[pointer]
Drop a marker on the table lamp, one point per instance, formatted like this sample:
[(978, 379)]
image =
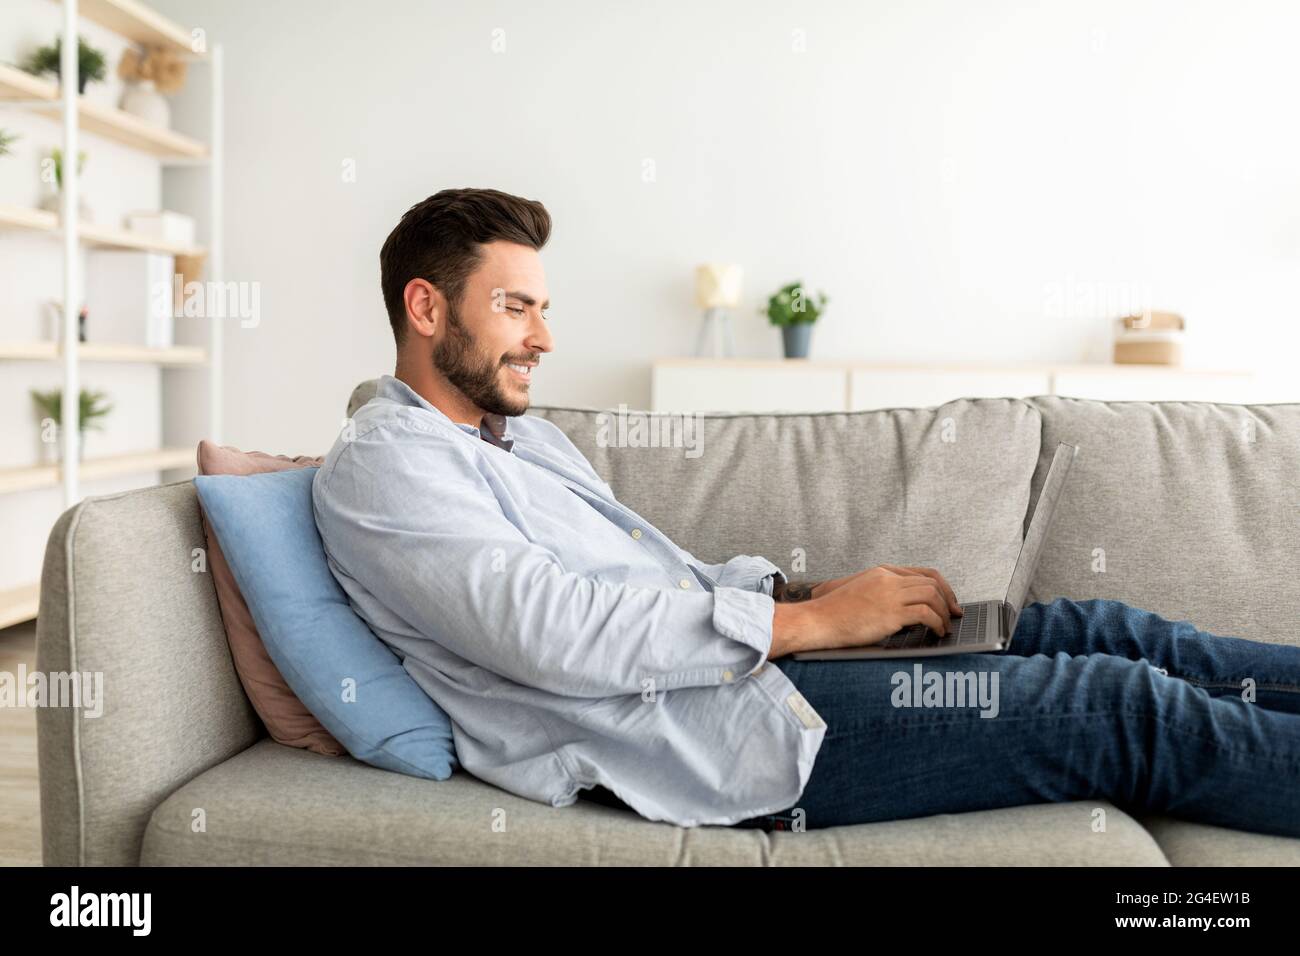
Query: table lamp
[(717, 289)]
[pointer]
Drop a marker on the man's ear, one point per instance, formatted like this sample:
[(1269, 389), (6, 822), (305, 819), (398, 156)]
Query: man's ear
[(424, 306)]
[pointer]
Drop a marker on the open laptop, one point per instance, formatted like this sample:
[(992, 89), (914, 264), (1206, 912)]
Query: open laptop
[(984, 625)]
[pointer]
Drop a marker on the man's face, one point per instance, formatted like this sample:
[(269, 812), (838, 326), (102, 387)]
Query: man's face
[(498, 323)]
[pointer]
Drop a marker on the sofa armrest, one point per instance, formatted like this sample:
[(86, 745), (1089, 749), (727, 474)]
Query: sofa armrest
[(126, 602)]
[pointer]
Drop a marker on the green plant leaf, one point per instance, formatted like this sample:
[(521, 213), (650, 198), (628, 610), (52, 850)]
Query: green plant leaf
[(49, 59), (92, 407)]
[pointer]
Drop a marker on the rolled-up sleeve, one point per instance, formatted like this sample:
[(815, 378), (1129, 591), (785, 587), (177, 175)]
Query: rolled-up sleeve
[(748, 572), (453, 566)]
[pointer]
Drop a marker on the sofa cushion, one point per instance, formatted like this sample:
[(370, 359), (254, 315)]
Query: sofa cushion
[(286, 718), (273, 805), (1185, 843), (1183, 508), (363, 393), (331, 659), (828, 494)]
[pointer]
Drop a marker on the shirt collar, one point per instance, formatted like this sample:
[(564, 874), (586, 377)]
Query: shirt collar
[(495, 427)]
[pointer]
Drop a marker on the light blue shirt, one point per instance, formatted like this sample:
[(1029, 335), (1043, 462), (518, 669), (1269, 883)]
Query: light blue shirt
[(570, 642)]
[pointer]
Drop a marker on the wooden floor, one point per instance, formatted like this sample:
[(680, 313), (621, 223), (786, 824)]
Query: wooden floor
[(20, 805)]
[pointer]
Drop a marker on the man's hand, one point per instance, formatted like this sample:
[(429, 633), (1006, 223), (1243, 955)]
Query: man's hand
[(808, 590), (865, 608)]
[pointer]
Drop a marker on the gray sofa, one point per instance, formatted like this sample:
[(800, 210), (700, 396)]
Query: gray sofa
[(1187, 509)]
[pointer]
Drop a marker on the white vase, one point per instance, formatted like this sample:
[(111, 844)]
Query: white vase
[(142, 100), (53, 202), (52, 451)]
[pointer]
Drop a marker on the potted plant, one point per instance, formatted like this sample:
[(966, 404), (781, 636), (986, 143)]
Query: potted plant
[(48, 59), (794, 312), (149, 74), (51, 201), (7, 140), (50, 406)]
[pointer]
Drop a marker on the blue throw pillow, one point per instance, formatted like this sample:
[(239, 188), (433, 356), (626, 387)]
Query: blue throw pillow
[(345, 675)]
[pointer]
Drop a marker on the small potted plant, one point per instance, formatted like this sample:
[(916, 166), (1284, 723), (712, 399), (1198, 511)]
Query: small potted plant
[(48, 59), (51, 202), (49, 406), (794, 312), (7, 140)]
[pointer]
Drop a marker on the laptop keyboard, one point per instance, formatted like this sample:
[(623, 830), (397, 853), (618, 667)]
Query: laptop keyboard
[(969, 628)]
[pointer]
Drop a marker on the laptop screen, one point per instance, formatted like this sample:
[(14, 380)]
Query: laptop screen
[(1044, 510)]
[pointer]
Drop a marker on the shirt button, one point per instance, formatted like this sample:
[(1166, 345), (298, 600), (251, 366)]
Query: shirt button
[(727, 675), (684, 583), (636, 532)]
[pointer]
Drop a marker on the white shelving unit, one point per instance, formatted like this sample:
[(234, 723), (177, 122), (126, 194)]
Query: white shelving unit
[(60, 102)]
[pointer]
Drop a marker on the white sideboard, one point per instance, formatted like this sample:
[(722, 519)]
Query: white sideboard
[(814, 385)]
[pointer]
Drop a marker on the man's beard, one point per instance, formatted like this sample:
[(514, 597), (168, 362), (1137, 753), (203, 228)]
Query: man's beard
[(477, 376)]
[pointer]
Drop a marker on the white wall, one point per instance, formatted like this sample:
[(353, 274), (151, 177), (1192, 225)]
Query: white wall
[(969, 181)]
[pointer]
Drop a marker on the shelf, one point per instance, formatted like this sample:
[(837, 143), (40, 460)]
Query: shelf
[(19, 217), (136, 22), (181, 355), (105, 237), (100, 237), (107, 121), (16, 84), (132, 131), (48, 476), (19, 604)]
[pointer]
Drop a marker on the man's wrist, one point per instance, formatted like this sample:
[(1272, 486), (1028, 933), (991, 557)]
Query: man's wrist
[(793, 628)]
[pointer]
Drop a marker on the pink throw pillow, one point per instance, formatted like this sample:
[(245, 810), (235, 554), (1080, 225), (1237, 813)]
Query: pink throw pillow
[(287, 719)]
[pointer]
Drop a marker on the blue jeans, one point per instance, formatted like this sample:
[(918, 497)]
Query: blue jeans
[(1093, 700)]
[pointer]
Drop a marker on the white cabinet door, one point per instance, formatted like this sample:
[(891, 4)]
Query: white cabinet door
[(923, 388), (798, 386), (1138, 384), (766, 388)]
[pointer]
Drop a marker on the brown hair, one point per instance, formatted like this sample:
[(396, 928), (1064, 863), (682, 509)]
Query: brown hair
[(438, 240)]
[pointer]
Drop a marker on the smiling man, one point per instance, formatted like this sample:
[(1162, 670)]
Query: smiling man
[(483, 374), (571, 643), (576, 648)]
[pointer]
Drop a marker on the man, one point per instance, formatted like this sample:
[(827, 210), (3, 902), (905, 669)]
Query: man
[(574, 646)]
